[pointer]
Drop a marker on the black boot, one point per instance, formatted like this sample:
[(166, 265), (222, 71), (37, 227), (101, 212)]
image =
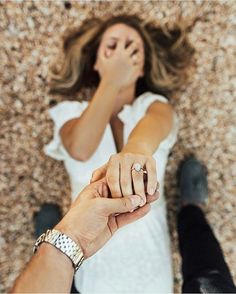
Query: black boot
[(192, 182)]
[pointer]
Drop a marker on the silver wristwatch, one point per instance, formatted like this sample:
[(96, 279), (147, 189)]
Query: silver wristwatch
[(64, 244)]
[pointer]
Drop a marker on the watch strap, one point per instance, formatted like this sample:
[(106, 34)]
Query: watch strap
[(64, 243)]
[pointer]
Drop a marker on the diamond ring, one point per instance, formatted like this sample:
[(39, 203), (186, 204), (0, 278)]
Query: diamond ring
[(138, 167)]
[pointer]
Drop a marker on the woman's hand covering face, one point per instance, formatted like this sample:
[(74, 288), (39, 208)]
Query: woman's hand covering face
[(124, 180), (120, 65)]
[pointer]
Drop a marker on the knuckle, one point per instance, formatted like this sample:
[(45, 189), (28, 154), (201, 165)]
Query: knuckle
[(127, 156), (97, 203), (152, 169), (125, 182), (137, 177), (125, 202), (112, 157), (139, 189), (111, 179), (152, 160), (116, 194)]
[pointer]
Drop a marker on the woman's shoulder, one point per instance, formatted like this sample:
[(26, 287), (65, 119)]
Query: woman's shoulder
[(65, 107), (131, 114), (148, 97), (66, 110), (143, 101), (69, 104)]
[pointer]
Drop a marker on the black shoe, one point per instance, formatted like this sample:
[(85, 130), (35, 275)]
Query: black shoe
[(48, 216), (192, 182)]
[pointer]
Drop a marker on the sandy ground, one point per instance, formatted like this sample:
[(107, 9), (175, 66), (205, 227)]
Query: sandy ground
[(30, 36)]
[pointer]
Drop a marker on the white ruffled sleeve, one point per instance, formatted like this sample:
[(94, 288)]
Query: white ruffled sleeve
[(60, 114)]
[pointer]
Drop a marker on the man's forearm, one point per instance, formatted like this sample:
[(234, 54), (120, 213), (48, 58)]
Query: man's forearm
[(48, 271)]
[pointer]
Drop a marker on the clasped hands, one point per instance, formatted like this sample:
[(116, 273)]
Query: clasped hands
[(122, 178), (117, 195)]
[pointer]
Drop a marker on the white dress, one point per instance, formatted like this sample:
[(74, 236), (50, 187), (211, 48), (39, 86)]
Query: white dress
[(137, 259)]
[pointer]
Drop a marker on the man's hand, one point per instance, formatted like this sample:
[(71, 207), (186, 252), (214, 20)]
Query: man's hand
[(91, 221), (92, 218)]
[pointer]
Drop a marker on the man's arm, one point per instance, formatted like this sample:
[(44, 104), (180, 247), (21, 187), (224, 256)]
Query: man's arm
[(49, 270), (91, 221)]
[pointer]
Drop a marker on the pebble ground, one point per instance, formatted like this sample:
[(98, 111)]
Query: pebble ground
[(206, 106)]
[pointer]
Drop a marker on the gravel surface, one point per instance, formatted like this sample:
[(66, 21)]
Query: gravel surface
[(30, 37)]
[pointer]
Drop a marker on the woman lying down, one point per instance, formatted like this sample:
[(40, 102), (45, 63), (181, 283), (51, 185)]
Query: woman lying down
[(125, 132)]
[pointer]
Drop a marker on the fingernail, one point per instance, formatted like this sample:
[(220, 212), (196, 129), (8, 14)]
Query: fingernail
[(143, 202), (136, 200), (151, 191)]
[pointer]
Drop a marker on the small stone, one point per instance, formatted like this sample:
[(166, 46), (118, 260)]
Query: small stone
[(67, 5)]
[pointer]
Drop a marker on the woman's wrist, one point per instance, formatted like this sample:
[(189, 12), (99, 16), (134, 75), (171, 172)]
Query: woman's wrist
[(110, 85), (137, 147)]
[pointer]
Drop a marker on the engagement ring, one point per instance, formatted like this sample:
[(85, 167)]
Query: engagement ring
[(138, 167)]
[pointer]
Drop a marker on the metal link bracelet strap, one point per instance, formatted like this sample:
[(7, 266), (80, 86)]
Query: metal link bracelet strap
[(64, 244)]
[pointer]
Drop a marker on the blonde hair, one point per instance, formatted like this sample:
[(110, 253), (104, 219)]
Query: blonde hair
[(168, 54)]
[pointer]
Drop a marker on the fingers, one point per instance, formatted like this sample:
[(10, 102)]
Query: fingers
[(127, 218), (99, 173), (122, 179), (109, 206), (132, 48), (138, 183), (134, 52), (113, 177), (120, 44), (103, 190), (136, 59), (126, 179), (97, 189), (151, 176), (152, 198)]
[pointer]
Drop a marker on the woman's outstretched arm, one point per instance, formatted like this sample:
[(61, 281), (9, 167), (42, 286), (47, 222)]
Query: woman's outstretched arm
[(151, 130), (142, 143), (81, 136)]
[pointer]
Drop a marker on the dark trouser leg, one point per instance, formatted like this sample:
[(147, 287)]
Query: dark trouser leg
[(73, 288), (203, 266)]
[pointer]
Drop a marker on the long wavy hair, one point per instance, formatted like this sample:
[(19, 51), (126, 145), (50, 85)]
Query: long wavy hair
[(168, 55)]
